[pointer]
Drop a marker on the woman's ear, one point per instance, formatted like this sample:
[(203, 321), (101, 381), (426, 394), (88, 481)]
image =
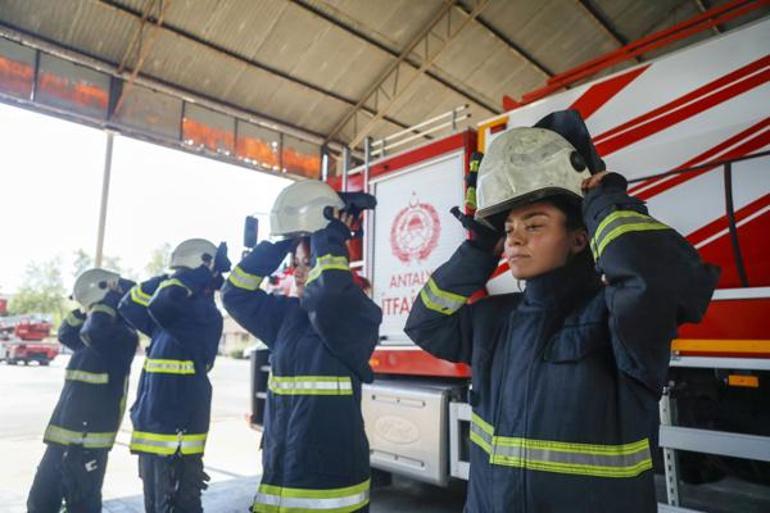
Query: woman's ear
[(579, 241)]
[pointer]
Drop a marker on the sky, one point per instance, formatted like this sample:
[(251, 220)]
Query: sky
[(51, 181)]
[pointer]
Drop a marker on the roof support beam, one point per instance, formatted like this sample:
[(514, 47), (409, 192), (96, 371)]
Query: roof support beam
[(516, 49), (604, 23), (703, 6), (430, 41), (141, 47), (304, 4), (82, 58), (238, 57)]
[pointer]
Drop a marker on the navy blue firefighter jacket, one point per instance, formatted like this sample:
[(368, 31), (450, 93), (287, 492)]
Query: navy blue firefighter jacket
[(567, 375), (315, 451), (93, 399), (173, 405)]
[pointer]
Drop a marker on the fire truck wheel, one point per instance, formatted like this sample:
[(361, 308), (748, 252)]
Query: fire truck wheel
[(44, 363)]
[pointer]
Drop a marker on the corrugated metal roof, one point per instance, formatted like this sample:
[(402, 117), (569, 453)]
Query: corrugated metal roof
[(308, 62)]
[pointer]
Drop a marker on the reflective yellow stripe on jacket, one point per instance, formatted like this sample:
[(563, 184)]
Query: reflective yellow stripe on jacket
[(625, 460), (73, 320), (139, 297), (310, 385), (327, 263), (619, 223), (243, 280), (104, 309), (62, 436), (441, 301), (160, 366), (92, 378), (277, 499), (167, 445)]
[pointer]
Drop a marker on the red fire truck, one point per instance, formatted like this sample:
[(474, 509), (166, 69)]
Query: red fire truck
[(22, 339), (691, 132)]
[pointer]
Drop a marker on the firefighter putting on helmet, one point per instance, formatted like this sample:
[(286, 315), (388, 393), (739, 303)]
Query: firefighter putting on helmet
[(566, 375), (315, 452), (86, 419), (173, 405)]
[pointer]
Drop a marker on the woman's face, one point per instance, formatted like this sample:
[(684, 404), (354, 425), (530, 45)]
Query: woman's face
[(537, 240), (301, 266)]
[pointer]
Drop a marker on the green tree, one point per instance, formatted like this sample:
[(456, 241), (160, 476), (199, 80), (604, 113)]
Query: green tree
[(42, 290), (158, 260)]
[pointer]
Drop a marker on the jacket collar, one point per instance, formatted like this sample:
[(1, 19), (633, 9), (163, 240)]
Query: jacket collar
[(564, 287)]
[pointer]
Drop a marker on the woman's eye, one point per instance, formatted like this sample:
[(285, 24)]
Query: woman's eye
[(534, 227)]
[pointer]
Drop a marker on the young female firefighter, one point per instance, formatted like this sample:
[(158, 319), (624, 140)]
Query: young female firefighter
[(86, 419), (566, 376), (315, 452), (172, 408)]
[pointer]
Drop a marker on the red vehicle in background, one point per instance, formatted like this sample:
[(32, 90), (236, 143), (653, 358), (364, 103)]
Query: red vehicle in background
[(23, 340)]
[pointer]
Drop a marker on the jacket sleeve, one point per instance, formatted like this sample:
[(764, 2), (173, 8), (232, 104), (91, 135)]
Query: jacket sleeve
[(260, 313), (69, 330), (440, 319), (105, 331), (172, 307), (347, 321), (133, 306), (655, 279)]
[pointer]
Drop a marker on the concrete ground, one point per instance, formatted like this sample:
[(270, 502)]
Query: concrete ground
[(28, 395)]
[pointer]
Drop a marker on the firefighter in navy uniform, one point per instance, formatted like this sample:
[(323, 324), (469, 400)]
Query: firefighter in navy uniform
[(566, 376), (173, 404), (315, 452), (85, 422)]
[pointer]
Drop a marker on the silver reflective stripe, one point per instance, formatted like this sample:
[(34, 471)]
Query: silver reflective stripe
[(64, 436), (572, 458), (439, 300), (311, 385), (313, 504), (601, 460), (87, 377)]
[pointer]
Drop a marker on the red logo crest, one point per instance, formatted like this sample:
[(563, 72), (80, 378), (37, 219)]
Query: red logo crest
[(415, 231)]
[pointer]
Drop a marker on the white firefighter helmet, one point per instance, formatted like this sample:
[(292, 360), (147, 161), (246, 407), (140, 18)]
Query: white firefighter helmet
[(193, 253), (92, 285), (299, 208), (525, 165)]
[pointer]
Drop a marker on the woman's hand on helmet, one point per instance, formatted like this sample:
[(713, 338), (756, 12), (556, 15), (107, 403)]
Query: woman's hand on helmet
[(593, 181), (483, 236)]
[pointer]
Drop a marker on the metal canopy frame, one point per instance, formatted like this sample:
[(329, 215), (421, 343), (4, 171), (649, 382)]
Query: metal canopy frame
[(389, 86)]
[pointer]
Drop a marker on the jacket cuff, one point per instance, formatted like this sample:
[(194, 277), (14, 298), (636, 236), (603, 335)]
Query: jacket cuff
[(609, 196), (330, 240)]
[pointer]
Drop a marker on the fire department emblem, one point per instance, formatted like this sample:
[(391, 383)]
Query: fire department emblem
[(415, 231)]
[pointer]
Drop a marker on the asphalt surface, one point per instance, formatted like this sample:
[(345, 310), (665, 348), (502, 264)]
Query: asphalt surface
[(28, 395)]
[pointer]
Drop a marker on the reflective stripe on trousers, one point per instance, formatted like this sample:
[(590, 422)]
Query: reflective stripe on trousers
[(167, 445), (277, 499), (92, 378), (310, 385), (64, 436), (160, 366), (626, 460)]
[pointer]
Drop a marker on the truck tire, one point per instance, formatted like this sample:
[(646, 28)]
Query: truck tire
[(11, 361), (44, 363)]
